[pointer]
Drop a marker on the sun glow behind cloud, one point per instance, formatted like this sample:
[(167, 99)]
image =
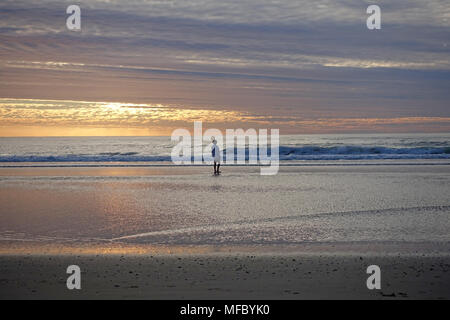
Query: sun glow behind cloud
[(33, 117), (58, 117)]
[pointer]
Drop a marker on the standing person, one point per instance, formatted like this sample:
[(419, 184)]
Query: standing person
[(215, 152)]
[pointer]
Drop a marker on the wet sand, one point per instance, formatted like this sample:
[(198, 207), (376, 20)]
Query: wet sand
[(190, 206)]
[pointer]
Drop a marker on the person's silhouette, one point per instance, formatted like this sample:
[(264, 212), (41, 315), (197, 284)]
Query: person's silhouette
[(215, 152)]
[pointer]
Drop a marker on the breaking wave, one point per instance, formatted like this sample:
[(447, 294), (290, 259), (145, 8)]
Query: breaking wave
[(312, 152)]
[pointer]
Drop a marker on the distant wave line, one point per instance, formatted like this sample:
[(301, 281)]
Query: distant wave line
[(281, 164), (313, 153)]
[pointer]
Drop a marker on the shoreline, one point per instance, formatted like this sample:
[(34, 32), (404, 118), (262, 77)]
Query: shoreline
[(282, 163)]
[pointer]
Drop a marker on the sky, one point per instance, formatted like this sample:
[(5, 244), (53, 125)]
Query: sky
[(149, 67)]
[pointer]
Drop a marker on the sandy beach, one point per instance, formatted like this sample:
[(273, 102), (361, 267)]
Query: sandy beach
[(290, 276), (179, 233)]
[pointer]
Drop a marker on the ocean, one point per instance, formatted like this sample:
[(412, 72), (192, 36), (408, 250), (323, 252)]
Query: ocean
[(79, 150)]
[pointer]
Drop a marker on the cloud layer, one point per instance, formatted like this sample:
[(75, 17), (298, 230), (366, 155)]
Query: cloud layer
[(270, 58)]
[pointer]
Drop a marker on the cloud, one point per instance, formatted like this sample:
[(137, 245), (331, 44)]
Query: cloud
[(88, 115), (291, 57)]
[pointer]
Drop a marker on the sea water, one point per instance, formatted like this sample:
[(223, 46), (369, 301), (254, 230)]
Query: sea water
[(292, 147)]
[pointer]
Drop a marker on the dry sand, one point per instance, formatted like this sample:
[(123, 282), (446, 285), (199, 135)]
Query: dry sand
[(225, 276)]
